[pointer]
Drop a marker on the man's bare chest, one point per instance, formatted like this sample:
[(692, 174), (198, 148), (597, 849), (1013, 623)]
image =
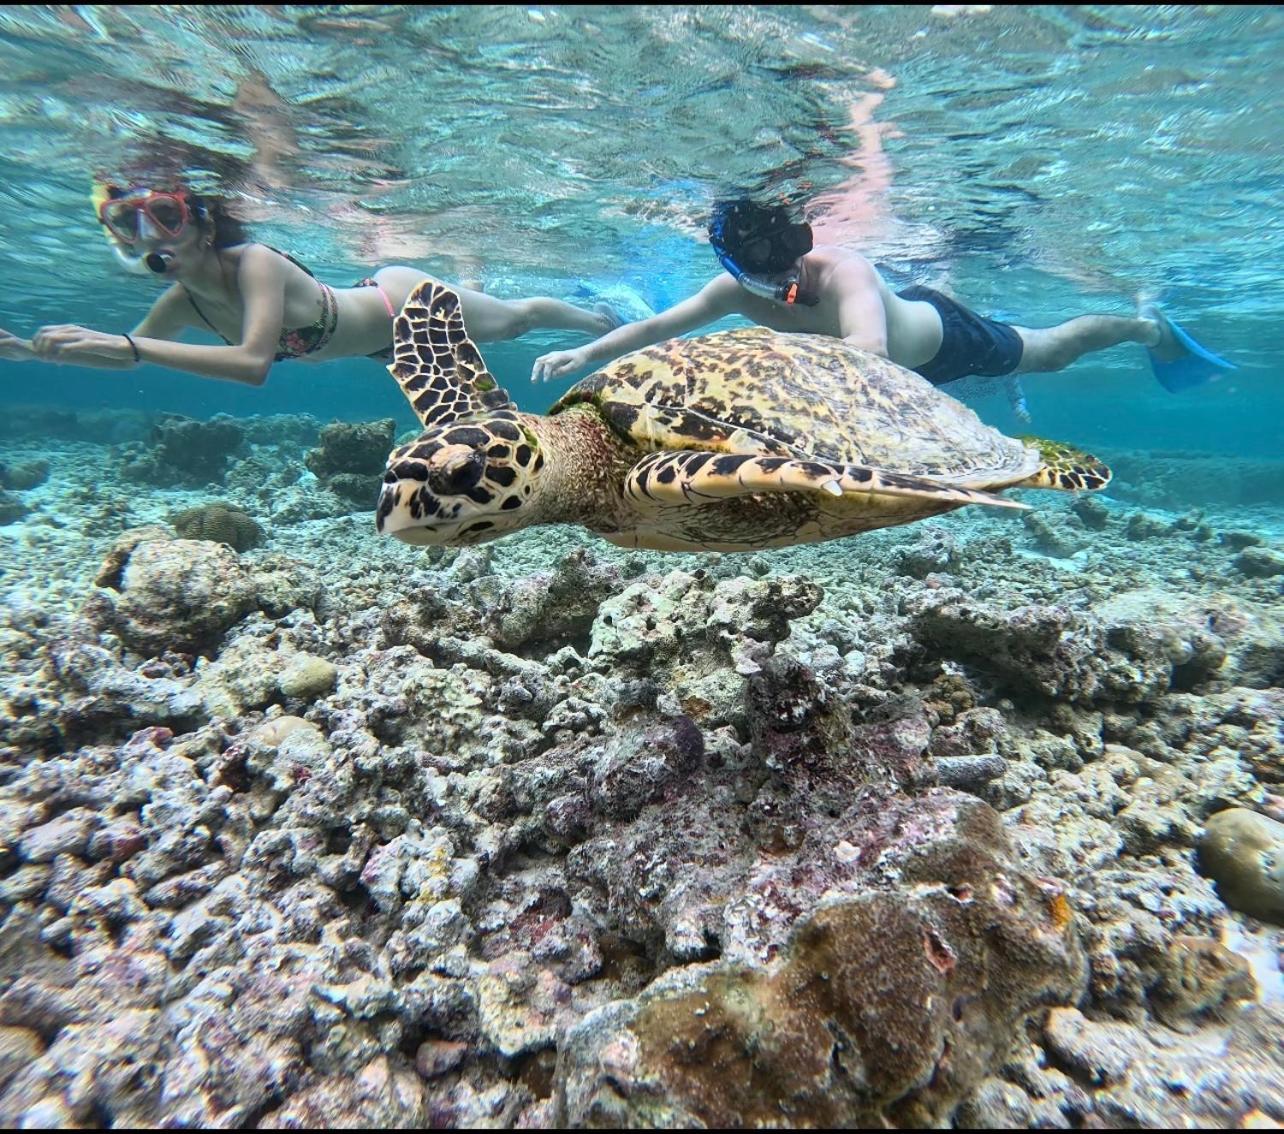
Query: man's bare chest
[(794, 318)]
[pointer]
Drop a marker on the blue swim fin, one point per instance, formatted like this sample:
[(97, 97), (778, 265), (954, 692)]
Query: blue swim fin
[(1193, 368)]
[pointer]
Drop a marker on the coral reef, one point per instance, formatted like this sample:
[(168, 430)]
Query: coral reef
[(158, 593), (182, 451), (55, 424), (350, 458), (924, 828), (883, 1008), (1176, 479), (1109, 654)]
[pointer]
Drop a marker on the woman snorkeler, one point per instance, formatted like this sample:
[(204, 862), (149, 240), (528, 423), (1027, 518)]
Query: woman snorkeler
[(264, 304)]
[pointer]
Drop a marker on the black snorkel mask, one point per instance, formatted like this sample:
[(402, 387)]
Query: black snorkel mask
[(758, 245)]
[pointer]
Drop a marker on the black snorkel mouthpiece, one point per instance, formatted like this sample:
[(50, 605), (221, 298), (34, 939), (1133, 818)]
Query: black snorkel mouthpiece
[(159, 262)]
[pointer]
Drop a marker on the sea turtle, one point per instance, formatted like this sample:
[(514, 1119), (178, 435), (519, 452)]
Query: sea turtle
[(732, 441)]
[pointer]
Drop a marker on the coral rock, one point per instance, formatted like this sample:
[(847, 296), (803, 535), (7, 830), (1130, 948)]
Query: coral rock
[(1094, 514), (307, 677), (1201, 978), (382, 1096), (439, 1057), (361, 449), (18, 1048), (1260, 562), (12, 508), (1142, 526), (1053, 538), (184, 451), (179, 595), (884, 1009), (29, 474), (67, 834)]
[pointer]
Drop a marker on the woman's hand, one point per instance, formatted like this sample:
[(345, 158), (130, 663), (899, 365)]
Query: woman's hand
[(14, 349), (558, 364), (67, 343)]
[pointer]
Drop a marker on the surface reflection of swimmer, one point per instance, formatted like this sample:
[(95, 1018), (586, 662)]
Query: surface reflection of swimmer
[(264, 304), (267, 122), (265, 119)]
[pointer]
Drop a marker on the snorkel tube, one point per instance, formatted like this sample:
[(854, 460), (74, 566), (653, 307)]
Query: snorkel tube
[(787, 291), (130, 263)]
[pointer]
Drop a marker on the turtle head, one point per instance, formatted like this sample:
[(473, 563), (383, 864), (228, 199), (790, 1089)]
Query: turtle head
[(463, 483)]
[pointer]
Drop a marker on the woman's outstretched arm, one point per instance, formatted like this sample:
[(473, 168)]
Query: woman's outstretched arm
[(261, 280)]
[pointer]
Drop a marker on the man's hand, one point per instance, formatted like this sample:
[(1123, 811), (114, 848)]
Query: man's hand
[(67, 343), (558, 364), (14, 349)]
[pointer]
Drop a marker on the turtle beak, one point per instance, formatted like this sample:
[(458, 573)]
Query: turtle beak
[(418, 537), (395, 517)]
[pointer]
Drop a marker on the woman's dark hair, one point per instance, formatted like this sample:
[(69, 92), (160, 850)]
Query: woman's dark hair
[(228, 230)]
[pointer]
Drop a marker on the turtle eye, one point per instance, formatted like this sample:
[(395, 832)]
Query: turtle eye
[(456, 472)]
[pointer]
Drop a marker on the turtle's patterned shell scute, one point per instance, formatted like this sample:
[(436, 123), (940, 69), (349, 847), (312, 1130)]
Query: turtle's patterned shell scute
[(756, 390)]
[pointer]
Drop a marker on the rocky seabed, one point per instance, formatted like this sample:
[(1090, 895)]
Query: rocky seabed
[(973, 823)]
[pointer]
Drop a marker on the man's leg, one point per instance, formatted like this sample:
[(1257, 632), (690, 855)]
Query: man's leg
[(1054, 348)]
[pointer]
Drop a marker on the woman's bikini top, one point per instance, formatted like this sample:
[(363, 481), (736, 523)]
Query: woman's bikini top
[(305, 340)]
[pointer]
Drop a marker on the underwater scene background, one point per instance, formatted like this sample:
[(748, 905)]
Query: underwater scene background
[(975, 822)]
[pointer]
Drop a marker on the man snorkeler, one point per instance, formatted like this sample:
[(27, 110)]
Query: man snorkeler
[(777, 278)]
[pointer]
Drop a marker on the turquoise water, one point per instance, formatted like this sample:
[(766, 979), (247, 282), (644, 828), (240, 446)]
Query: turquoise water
[(1037, 162), (975, 820)]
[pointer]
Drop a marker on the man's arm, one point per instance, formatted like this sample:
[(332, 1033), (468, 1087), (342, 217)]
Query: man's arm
[(719, 297), (862, 318)]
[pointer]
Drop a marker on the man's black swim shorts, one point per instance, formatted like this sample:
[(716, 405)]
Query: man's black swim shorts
[(972, 344)]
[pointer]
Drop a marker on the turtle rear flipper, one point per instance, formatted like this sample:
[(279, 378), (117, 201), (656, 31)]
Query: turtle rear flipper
[(1065, 468), (686, 477)]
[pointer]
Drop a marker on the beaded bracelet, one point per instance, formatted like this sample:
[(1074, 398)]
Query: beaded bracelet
[(134, 347)]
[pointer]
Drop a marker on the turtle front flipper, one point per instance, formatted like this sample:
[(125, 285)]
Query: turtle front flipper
[(687, 477), (436, 364), (1065, 468)]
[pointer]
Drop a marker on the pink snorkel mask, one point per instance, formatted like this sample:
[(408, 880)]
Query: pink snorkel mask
[(120, 211)]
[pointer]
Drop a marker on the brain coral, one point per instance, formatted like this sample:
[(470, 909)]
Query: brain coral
[(221, 523)]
